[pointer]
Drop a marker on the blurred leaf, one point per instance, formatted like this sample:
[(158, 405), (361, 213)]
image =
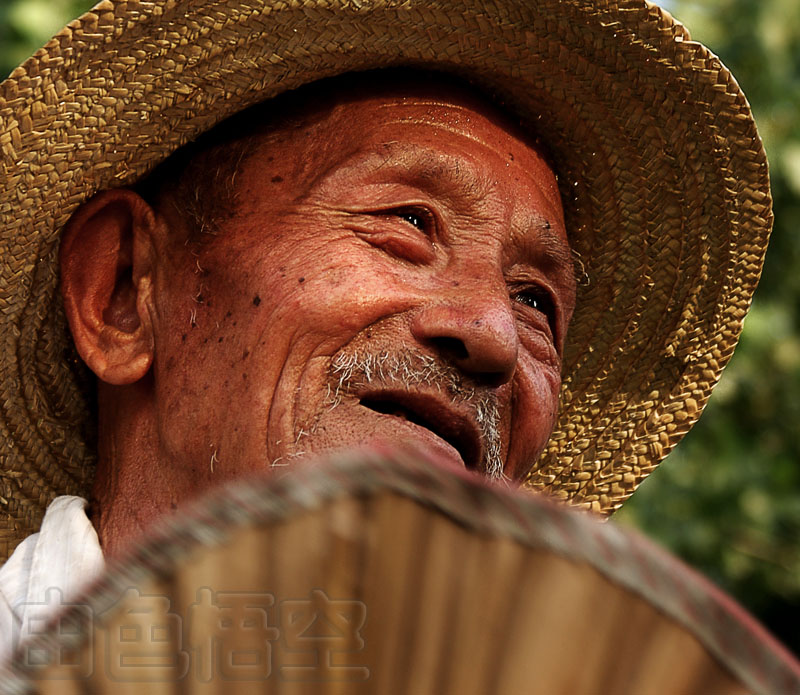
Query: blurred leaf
[(26, 25), (791, 166)]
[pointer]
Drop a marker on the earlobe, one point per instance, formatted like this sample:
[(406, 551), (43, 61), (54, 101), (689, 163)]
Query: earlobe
[(105, 257)]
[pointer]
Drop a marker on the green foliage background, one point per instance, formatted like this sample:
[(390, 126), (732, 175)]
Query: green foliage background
[(727, 499)]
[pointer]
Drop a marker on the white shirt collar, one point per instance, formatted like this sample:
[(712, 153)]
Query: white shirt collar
[(47, 570)]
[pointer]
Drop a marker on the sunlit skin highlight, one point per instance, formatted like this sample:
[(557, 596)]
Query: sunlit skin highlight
[(390, 225)]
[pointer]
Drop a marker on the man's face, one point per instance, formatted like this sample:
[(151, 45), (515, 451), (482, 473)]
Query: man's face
[(396, 272)]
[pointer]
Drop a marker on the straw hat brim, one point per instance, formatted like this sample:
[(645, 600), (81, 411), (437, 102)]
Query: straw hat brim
[(663, 177)]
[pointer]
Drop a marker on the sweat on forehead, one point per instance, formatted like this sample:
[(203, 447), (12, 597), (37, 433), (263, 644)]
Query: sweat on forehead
[(200, 177)]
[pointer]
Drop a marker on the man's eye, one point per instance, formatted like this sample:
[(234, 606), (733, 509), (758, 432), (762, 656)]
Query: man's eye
[(539, 299), (413, 218), (416, 217)]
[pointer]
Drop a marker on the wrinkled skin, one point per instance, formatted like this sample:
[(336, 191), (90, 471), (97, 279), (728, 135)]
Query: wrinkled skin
[(392, 225)]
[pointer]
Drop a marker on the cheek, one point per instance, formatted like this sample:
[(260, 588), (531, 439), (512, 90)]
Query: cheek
[(534, 411), (211, 371), (209, 393), (241, 331), (342, 292)]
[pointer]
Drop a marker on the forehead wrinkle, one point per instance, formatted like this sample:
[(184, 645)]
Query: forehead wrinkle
[(424, 166), (438, 173), (460, 120)]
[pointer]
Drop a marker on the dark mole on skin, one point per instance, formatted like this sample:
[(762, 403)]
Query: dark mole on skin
[(245, 354), (228, 315), (256, 300), (183, 338), (220, 339), (277, 179), (301, 280)]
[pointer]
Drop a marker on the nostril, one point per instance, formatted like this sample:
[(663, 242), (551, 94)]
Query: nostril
[(493, 379), (478, 334), (455, 351), (450, 347)]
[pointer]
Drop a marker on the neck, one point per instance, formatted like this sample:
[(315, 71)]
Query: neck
[(132, 486)]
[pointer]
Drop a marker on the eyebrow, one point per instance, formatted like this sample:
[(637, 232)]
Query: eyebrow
[(547, 251), (423, 167), (548, 247)]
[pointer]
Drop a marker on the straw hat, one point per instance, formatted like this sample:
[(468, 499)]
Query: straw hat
[(663, 178)]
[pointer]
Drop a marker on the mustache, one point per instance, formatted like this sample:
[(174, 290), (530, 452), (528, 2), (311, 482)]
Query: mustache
[(352, 371)]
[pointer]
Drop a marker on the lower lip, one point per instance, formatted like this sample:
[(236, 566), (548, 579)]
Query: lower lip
[(409, 435)]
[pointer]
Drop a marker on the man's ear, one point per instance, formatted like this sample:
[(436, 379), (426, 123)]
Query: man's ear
[(106, 282)]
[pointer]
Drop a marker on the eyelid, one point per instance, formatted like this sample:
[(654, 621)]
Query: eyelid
[(553, 311), (430, 222), (399, 238)]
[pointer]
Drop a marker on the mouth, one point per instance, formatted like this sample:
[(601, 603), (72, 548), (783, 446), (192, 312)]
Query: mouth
[(439, 418)]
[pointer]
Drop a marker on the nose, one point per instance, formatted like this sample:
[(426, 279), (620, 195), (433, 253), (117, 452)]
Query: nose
[(477, 334)]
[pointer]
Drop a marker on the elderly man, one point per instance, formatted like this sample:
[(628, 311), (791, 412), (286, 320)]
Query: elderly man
[(376, 258), (410, 281)]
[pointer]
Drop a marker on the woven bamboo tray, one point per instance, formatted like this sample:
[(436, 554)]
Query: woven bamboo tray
[(383, 574)]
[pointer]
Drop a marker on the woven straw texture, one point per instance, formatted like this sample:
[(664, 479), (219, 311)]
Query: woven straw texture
[(663, 178)]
